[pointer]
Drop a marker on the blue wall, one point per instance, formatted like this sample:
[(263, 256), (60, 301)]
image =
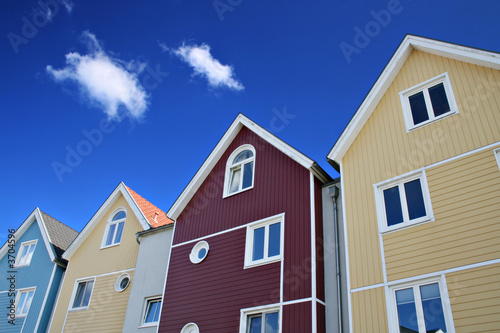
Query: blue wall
[(37, 274)]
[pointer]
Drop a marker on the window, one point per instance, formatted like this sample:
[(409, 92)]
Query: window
[(264, 241), (260, 321), (402, 202), (240, 170), (422, 308), (26, 253), (114, 229), (190, 328), (199, 252), (23, 302), (122, 282), (152, 311), (428, 101), (83, 294)]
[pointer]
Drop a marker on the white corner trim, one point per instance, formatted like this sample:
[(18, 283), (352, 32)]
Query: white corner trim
[(313, 254), (47, 292), (346, 249)]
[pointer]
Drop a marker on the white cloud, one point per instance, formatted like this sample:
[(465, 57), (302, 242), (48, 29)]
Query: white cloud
[(204, 64), (68, 5), (108, 82)]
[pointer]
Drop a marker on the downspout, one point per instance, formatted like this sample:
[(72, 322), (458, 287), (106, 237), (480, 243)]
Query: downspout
[(334, 193)]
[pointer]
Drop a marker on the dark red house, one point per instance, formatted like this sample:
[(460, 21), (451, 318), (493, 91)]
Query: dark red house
[(247, 247)]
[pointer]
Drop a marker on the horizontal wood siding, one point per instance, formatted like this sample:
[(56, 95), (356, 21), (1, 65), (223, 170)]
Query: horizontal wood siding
[(384, 150), (212, 292), (297, 318), (465, 196), (369, 311), (474, 297), (106, 311)]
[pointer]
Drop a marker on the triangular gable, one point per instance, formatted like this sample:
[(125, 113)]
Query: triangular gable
[(240, 122), (410, 42), (36, 215), (135, 206)]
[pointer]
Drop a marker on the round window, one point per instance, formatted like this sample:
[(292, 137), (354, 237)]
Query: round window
[(122, 282), (190, 328), (199, 252)]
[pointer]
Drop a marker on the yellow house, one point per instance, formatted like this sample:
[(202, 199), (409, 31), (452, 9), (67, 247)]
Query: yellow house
[(419, 165), (94, 293)]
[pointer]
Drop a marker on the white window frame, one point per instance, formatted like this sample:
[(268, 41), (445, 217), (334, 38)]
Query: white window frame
[(19, 259), (392, 309), (118, 282), (497, 156), (230, 166), (424, 87), (190, 328), (250, 237), (18, 298), (110, 223), (245, 313), (73, 295), (147, 301), (400, 181)]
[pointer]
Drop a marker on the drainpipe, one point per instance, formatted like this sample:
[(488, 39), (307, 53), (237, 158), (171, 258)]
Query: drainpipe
[(334, 194)]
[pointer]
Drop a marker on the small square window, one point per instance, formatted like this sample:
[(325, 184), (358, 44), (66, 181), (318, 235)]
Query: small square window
[(260, 321), (23, 301), (152, 311), (428, 102), (420, 307), (83, 293), (25, 253), (402, 202), (264, 241)]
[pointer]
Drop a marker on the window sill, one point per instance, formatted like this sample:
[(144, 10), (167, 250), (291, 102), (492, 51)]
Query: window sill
[(16, 266), (78, 309), (149, 325), (262, 262), (428, 122), (108, 246), (407, 225), (226, 195)]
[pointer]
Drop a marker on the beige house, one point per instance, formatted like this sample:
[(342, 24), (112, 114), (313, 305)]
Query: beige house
[(419, 165), (95, 291)]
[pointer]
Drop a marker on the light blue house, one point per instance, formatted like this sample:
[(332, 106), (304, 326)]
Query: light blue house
[(31, 269)]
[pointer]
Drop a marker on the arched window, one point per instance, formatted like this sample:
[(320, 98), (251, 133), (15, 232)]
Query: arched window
[(240, 170), (114, 228)]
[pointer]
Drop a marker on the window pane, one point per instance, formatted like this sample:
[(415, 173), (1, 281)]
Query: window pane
[(119, 233), (439, 100), (235, 181), (433, 308), (407, 314), (272, 320), (119, 216), (88, 292), (79, 295), (111, 234), (418, 108), (24, 255), (26, 307), (415, 199), (255, 325), (150, 315), (32, 248), (243, 156), (158, 310), (393, 209), (258, 243), (202, 253), (274, 239), (247, 174), (22, 300)]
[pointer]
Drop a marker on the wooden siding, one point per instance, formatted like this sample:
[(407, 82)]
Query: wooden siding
[(384, 150), (106, 311), (297, 318), (212, 292), (369, 311), (321, 322), (474, 297), (90, 260), (465, 197)]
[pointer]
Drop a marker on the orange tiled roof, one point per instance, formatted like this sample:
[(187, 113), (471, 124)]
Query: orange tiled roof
[(155, 216)]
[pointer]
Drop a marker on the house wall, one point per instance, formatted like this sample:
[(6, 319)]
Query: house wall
[(464, 191), (90, 260), (149, 277), (223, 287), (37, 274)]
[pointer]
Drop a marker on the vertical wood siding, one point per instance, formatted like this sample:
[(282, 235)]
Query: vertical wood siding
[(369, 312), (297, 318), (474, 297), (465, 196), (384, 150)]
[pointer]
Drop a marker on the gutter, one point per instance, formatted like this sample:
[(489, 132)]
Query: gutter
[(334, 194), (139, 234)]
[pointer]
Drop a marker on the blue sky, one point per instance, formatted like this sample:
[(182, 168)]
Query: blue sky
[(98, 92)]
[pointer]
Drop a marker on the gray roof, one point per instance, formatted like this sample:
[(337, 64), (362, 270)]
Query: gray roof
[(59, 233)]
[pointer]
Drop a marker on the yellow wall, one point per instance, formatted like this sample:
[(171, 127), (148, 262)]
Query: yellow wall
[(384, 150), (474, 298), (91, 260), (369, 311)]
